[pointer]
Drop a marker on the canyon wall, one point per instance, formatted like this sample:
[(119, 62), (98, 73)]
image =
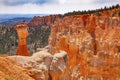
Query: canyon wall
[(81, 47), (45, 20), (92, 44)]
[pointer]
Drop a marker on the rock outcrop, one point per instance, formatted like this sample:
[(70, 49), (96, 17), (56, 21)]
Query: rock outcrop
[(43, 66)]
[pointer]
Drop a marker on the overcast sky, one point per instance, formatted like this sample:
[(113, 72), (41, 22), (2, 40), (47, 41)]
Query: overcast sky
[(51, 6)]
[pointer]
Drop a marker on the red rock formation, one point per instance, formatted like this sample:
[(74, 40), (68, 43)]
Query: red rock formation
[(22, 34), (45, 20), (92, 44)]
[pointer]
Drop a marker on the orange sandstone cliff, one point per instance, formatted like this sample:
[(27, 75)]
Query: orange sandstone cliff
[(45, 20), (92, 44)]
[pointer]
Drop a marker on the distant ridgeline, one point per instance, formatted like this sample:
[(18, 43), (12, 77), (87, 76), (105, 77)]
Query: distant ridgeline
[(39, 30), (96, 12), (10, 22)]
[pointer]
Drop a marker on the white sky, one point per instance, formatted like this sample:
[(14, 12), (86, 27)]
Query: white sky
[(51, 6)]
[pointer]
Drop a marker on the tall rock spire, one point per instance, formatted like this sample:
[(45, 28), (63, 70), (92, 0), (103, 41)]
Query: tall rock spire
[(22, 32)]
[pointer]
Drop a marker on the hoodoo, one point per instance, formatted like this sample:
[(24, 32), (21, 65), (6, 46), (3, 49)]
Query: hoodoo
[(22, 34)]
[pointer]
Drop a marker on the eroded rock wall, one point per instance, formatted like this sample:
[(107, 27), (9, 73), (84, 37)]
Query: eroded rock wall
[(41, 21), (92, 43)]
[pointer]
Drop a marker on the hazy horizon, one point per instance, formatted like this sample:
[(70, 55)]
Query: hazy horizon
[(11, 16)]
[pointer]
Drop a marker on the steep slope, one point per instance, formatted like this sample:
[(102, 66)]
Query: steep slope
[(92, 43)]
